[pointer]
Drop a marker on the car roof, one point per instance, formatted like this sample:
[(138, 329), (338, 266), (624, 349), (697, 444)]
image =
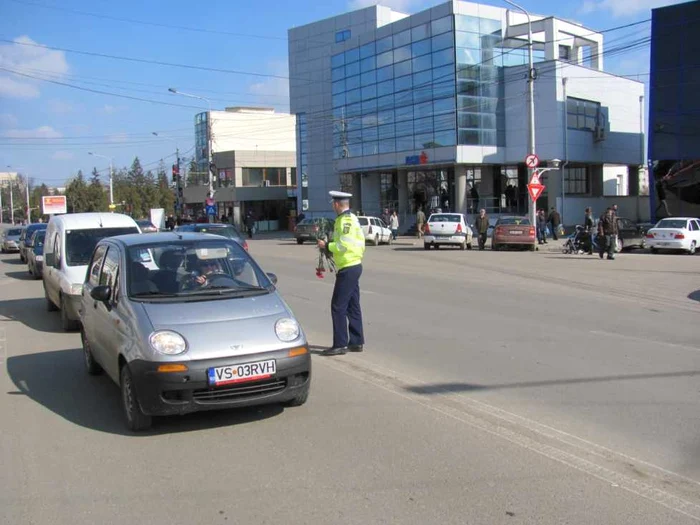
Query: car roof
[(138, 239), (36, 226), (206, 225), (93, 220), (678, 219)]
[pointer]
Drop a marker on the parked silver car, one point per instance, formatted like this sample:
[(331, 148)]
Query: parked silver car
[(189, 321), (10, 240)]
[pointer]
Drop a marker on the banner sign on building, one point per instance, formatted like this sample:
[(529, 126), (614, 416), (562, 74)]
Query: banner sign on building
[(54, 204), (417, 159)]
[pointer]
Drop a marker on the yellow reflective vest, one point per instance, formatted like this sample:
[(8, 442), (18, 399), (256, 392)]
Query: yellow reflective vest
[(348, 245)]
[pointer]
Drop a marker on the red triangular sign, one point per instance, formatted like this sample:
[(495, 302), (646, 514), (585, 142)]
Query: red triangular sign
[(535, 191), (535, 178)]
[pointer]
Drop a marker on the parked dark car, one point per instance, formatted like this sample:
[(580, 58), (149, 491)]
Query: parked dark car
[(146, 226), (26, 235), (35, 254), (225, 230), (513, 231), (630, 234), (311, 229)]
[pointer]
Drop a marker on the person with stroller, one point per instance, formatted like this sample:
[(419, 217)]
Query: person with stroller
[(588, 225)]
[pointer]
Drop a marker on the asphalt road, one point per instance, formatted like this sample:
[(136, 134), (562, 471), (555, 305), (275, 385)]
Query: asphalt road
[(495, 388)]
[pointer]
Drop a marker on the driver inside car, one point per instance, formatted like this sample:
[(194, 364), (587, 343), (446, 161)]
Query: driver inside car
[(207, 268)]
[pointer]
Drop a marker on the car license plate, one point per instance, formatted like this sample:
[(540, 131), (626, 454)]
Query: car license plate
[(225, 375), (515, 232)]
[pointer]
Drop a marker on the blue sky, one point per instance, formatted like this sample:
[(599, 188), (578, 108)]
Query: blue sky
[(47, 130)]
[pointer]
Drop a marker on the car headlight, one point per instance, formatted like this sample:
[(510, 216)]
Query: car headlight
[(287, 330), (168, 342), (76, 289)]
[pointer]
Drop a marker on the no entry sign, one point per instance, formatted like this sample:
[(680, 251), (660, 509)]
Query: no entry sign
[(532, 161)]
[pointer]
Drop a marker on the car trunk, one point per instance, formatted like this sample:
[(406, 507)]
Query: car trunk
[(514, 233), (445, 228), (667, 233)]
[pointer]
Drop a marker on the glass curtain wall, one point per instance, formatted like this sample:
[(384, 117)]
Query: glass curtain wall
[(397, 93), (201, 144), (302, 162)]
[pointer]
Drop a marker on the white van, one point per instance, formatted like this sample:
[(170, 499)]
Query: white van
[(68, 246)]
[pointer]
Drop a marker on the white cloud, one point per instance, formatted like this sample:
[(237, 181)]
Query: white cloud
[(8, 121), (60, 107), (63, 155), (273, 91), (42, 132), (622, 8), (109, 109), (405, 6), (36, 61)]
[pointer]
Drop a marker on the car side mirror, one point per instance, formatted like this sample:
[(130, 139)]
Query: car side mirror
[(50, 259), (272, 277), (101, 293)]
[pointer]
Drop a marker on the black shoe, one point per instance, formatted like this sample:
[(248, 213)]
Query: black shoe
[(338, 350), (355, 348), (600, 255)]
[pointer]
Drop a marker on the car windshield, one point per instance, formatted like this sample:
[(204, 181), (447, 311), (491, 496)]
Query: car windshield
[(672, 223), (38, 237), (187, 269), (14, 232), (81, 243), (517, 221), (444, 218)]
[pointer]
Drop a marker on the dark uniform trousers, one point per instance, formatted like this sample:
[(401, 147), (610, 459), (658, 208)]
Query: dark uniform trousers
[(345, 308)]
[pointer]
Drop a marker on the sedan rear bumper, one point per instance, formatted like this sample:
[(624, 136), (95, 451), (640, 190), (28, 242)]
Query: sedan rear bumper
[(171, 393), (524, 240), (668, 244), (457, 238)]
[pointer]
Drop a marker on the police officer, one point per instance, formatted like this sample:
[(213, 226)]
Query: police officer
[(347, 247)]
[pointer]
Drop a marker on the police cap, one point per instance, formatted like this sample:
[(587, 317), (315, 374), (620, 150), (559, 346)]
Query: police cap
[(339, 196)]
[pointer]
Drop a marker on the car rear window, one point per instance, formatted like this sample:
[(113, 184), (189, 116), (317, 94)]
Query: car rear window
[(443, 217), (672, 223), (363, 221), (14, 233), (81, 243), (517, 221)]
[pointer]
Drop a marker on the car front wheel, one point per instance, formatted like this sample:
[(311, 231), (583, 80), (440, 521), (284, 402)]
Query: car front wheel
[(135, 419), (426, 246), (300, 241), (299, 399)]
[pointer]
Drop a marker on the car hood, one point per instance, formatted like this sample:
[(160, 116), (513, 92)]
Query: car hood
[(224, 327)]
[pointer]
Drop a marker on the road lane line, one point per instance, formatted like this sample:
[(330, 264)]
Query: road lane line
[(491, 420), (643, 340)]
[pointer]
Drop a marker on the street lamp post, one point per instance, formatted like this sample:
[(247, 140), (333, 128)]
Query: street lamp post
[(531, 99), (111, 173), (209, 141)]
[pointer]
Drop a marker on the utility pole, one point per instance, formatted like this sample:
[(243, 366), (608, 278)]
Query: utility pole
[(29, 209), (1, 215), (12, 204), (531, 75)]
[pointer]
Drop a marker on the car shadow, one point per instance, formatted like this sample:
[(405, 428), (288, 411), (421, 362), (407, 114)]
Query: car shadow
[(574, 257), (31, 313), (695, 296), (451, 388), (59, 382), (21, 276), (12, 258)]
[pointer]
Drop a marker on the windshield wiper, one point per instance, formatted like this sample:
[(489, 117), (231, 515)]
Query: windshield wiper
[(222, 290), (153, 294)]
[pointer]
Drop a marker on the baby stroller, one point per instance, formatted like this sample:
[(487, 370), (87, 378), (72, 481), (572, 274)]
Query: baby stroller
[(581, 242)]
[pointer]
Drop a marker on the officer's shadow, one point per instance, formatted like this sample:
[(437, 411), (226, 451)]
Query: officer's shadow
[(317, 349)]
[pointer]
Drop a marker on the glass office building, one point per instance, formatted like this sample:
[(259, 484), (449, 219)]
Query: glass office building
[(429, 109)]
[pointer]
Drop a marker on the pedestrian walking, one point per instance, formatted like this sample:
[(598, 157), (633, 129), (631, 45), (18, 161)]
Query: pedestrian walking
[(607, 230), (394, 225), (541, 227), (554, 221), (250, 223), (347, 248), (386, 217), (661, 196), (588, 224), (482, 228), (420, 221), (614, 214)]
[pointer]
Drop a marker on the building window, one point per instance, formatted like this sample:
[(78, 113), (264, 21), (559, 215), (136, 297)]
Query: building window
[(346, 182), (576, 181), (388, 191), (342, 36), (565, 53), (264, 176), (293, 178), (582, 114)]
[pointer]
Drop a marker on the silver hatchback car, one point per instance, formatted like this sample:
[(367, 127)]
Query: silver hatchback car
[(188, 321)]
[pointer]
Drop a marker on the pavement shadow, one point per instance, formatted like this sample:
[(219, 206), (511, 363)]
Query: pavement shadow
[(31, 313), (12, 259), (695, 296), (573, 257), (447, 388), (21, 276), (59, 382)]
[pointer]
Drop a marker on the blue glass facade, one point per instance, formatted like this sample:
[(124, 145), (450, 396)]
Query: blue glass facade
[(436, 84), (397, 93)]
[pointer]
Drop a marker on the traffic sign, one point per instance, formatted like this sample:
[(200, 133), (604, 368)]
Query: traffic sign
[(211, 210), (535, 190), (532, 161), (535, 178)]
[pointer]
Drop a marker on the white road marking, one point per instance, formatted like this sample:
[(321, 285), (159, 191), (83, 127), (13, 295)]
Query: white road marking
[(504, 425), (643, 340)]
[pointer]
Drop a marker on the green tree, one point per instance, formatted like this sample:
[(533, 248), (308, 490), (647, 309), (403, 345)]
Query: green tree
[(96, 196), (35, 201), (77, 194)]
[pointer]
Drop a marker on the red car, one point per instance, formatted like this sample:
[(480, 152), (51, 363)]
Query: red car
[(513, 231)]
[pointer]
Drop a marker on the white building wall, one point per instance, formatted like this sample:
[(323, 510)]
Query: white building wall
[(615, 180), (619, 100), (252, 131)]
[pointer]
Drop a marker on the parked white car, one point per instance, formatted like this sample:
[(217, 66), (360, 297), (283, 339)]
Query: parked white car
[(675, 233), (447, 229), (375, 230)]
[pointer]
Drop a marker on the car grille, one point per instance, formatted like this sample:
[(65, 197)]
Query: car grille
[(232, 393)]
